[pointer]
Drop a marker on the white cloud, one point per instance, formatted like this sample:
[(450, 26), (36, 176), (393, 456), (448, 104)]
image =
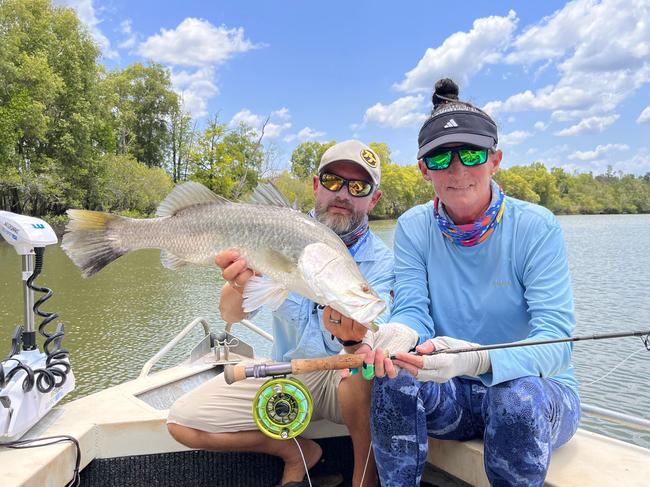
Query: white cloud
[(638, 164), (603, 51), (281, 114), (195, 42), (86, 13), (514, 138), (195, 89), (598, 151), (130, 37), (553, 35), (541, 126), (462, 54), (272, 130), (199, 44), (306, 133), (589, 125), (645, 116), (403, 112)]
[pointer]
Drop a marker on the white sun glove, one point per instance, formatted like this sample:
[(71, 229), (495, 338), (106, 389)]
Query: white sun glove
[(394, 337), (444, 366)]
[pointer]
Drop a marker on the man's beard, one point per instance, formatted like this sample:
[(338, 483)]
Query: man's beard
[(339, 223)]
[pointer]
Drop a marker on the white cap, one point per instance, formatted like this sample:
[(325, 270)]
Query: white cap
[(356, 152)]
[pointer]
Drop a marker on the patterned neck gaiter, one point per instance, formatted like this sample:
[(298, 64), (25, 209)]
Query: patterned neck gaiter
[(471, 234)]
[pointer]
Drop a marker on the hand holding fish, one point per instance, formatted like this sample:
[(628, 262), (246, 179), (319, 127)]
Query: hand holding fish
[(342, 327), (234, 270)]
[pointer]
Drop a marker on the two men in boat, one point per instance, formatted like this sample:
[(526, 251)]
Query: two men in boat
[(216, 416), (472, 267)]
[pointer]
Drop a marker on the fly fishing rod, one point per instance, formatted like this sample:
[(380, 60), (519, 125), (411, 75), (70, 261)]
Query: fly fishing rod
[(645, 338), (234, 373)]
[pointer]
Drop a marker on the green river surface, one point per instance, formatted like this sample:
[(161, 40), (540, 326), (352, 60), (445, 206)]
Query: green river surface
[(116, 320)]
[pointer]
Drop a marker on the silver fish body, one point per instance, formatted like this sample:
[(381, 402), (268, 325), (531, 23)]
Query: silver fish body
[(293, 252)]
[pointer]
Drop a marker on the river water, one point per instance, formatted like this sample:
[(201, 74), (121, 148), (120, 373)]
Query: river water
[(116, 320)]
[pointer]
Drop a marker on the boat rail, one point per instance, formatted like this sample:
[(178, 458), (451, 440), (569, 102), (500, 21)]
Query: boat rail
[(627, 420), (252, 326), (146, 368)]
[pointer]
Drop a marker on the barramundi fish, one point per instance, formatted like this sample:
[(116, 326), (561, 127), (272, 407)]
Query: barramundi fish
[(290, 251)]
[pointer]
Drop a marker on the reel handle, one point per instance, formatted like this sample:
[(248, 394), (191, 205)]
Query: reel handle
[(235, 373)]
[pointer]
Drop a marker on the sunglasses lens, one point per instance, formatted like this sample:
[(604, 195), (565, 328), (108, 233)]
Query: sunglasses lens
[(473, 157), (359, 188), (331, 181), (439, 160)]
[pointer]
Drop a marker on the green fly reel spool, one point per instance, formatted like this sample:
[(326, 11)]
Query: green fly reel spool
[(282, 408)]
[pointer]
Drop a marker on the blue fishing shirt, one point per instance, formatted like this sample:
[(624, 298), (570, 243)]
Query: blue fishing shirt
[(298, 331), (513, 286)]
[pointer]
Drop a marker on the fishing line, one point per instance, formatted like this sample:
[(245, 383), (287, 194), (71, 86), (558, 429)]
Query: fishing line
[(363, 476), (617, 366), (303, 461)]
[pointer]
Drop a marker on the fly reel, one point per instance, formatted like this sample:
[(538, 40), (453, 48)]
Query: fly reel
[(282, 408)]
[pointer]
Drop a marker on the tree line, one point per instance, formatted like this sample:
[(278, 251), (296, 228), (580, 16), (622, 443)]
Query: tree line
[(75, 134)]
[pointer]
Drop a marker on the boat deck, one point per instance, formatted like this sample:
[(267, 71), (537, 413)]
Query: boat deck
[(130, 420)]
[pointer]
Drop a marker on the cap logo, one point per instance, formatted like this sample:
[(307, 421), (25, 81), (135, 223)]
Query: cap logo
[(450, 124), (369, 157)]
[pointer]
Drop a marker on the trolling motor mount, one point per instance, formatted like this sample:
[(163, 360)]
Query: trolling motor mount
[(31, 381)]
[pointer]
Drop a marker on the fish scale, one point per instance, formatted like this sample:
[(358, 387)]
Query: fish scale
[(294, 252)]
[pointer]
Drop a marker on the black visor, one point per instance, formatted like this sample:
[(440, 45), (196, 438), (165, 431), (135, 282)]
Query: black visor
[(462, 125)]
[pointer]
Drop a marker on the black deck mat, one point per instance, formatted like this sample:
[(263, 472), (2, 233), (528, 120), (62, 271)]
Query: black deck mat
[(210, 469)]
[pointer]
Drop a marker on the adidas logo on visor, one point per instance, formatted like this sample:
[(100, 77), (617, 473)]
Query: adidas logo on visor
[(451, 124)]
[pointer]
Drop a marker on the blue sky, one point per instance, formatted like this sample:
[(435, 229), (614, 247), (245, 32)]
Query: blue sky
[(567, 82)]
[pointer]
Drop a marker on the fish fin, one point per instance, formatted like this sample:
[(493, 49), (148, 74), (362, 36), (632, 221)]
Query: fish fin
[(171, 261), (262, 290), (277, 259), (268, 194), (87, 240), (185, 195)]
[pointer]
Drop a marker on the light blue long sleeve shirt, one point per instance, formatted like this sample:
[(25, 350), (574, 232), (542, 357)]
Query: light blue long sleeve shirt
[(513, 286), (298, 331)]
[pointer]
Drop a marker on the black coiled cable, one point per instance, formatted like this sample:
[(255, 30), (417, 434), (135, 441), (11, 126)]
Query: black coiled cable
[(56, 369), (54, 374)]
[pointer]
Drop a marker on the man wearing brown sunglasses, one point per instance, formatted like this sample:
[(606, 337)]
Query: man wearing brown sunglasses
[(218, 417)]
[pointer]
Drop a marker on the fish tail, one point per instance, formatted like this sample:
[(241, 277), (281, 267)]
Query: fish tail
[(89, 240)]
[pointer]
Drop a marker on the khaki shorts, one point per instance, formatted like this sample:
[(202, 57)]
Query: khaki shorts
[(217, 407)]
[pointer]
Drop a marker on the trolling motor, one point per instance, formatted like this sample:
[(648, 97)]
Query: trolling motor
[(31, 381)]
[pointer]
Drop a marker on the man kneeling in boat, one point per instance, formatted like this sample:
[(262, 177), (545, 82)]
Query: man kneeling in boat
[(218, 417)]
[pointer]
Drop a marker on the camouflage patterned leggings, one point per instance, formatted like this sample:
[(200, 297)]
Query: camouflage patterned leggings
[(520, 421)]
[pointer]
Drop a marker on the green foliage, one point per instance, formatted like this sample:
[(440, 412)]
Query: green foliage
[(298, 190), (72, 135), (142, 102), (402, 188), (130, 186), (306, 157), (227, 161), (48, 124)]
